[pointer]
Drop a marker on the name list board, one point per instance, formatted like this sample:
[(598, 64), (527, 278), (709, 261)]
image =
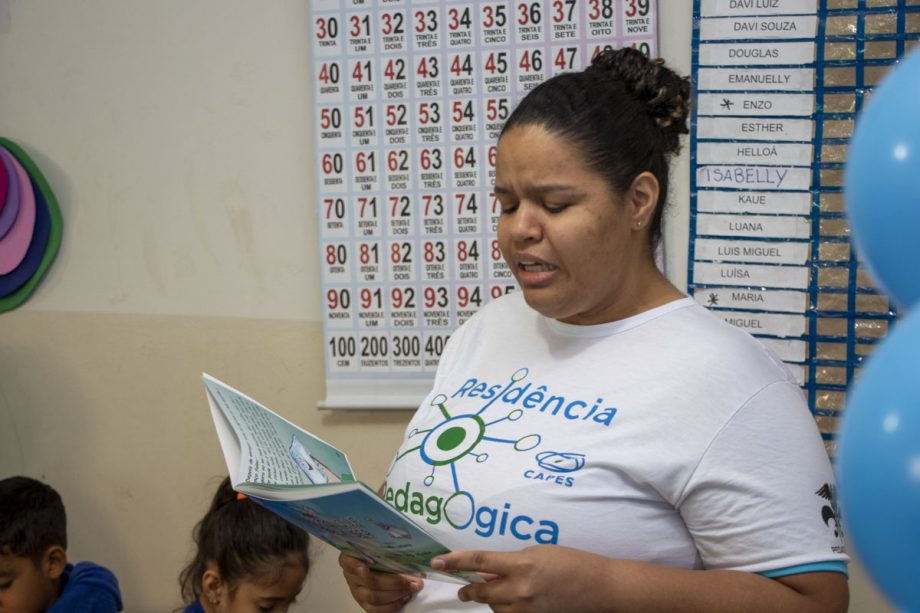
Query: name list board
[(410, 97), (777, 86)]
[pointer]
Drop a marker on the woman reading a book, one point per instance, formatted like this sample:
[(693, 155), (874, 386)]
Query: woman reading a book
[(599, 441)]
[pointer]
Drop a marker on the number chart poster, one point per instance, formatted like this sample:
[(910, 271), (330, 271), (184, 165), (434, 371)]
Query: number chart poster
[(410, 97), (778, 84)]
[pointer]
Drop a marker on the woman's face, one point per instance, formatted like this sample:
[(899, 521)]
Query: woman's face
[(572, 243)]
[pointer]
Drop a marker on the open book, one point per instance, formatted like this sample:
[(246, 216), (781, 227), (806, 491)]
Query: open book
[(311, 484)]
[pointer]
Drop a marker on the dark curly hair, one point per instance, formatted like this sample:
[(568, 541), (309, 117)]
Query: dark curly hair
[(625, 113)]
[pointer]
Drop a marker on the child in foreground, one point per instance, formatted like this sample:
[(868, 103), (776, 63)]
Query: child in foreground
[(247, 558), (34, 573)]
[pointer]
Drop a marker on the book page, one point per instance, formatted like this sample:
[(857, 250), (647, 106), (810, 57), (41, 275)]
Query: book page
[(268, 461), (272, 450)]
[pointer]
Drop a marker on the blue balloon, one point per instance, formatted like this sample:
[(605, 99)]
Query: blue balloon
[(878, 464), (882, 183)]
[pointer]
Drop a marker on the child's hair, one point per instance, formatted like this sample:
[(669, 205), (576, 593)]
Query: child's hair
[(32, 518), (243, 540)]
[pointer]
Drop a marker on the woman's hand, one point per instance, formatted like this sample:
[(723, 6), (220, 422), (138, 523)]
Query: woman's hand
[(553, 578), (539, 578), (377, 592)]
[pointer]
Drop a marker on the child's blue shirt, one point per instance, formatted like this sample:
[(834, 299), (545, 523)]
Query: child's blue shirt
[(87, 588)]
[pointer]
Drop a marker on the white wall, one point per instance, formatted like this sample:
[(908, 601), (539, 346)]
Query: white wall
[(177, 137)]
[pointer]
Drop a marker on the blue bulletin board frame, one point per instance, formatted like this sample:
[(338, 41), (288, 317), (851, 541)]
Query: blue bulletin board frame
[(844, 316)]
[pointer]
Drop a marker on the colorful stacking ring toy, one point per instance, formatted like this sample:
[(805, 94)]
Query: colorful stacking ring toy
[(30, 225), (15, 242), (4, 183), (11, 204)]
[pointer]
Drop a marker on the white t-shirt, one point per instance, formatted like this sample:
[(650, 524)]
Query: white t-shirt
[(669, 437)]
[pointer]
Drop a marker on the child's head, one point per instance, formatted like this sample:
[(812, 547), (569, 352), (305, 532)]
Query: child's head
[(33, 543), (248, 558)]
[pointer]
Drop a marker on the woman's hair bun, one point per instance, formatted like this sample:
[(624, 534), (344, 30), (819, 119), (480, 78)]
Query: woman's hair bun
[(664, 93)]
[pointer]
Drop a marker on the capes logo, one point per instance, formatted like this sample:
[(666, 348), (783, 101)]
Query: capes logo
[(561, 462), (558, 463)]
